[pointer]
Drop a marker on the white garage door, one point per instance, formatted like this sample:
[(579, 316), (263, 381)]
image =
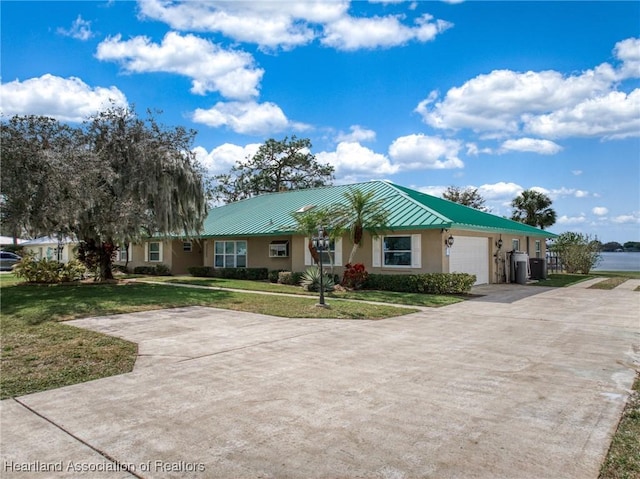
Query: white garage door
[(470, 255)]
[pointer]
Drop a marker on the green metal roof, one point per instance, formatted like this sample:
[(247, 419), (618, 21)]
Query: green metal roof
[(272, 214)]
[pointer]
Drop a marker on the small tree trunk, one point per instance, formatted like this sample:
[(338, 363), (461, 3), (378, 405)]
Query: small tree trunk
[(314, 252), (352, 255)]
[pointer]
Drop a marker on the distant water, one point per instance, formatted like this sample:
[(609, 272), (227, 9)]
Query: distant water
[(619, 262)]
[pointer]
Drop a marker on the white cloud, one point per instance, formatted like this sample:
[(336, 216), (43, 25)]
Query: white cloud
[(631, 218), (433, 190), (474, 150), (629, 52), (543, 147), (267, 24), (351, 33), (414, 152), (600, 210), (576, 172), (271, 26), (249, 118), (211, 67), (357, 134), (353, 160), (222, 158), (581, 194), (66, 99), (571, 220), (544, 103), (610, 116), (80, 30), (500, 191)]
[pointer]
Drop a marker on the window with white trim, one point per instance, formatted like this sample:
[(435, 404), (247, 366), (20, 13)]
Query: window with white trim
[(154, 251), (230, 254), (124, 254), (538, 248), (397, 251), (515, 244), (187, 246), (279, 249), (331, 256)]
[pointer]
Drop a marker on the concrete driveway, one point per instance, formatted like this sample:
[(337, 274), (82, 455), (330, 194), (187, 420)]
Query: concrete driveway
[(515, 387)]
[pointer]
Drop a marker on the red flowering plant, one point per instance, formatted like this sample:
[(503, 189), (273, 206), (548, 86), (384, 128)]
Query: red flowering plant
[(354, 276)]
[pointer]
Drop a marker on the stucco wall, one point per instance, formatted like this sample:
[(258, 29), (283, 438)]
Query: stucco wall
[(432, 253)]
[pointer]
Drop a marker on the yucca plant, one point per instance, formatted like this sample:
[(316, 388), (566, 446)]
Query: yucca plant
[(311, 280)]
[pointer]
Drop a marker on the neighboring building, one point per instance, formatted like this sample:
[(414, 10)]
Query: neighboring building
[(8, 241), (51, 248), (260, 233), (178, 254)]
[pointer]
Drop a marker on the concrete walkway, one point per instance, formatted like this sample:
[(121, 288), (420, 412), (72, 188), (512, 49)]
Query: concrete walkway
[(498, 387)]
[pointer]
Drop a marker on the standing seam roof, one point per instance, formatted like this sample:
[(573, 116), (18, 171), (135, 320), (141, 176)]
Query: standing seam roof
[(272, 213)]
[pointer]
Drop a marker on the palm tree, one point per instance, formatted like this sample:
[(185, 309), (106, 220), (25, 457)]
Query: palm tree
[(534, 209), (307, 224), (360, 213)]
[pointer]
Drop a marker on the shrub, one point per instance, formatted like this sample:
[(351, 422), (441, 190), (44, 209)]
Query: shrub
[(444, 283), (48, 271), (274, 275), (311, 280), (401, 283), (429, 283), (148, 270), (120, 268), (157, 270), (354, 276), (577, 251), (287, 277), (253, 274), (200, 271), (162, 270)]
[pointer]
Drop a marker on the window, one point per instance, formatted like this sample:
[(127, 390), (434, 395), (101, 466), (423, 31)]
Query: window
[(187, 246), (154, 251), (124, 253), (279, 249), (230, 254), (515, 244), (538, 249), (331, 256), (397, 250)]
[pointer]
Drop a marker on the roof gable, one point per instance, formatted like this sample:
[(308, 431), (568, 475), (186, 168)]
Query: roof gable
[(273, 213)]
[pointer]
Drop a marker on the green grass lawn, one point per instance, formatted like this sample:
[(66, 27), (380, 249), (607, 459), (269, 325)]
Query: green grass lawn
[(40, 352), (609, 283), (623, 458), (560, 280), (615, 278), (406, 299)]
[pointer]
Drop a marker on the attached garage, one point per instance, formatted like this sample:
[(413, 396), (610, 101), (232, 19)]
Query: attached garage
[(470, 255)]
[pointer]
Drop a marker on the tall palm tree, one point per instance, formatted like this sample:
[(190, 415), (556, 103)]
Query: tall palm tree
[(361, 213), (534, 209)]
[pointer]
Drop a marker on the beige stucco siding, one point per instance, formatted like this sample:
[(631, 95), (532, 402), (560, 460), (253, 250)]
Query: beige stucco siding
[(257, 252), (182, 259), (138, 255), (432, 253)]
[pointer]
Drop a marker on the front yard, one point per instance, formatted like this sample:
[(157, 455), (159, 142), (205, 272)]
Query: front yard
[(40, 352)]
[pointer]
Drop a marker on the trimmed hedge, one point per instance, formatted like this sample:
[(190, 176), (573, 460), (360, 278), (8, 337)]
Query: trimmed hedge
[(429, 283), (157, 270), (201, 271), (253, 274)]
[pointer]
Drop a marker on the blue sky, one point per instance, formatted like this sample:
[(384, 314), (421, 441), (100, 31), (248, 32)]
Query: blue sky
[(499, 96)]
